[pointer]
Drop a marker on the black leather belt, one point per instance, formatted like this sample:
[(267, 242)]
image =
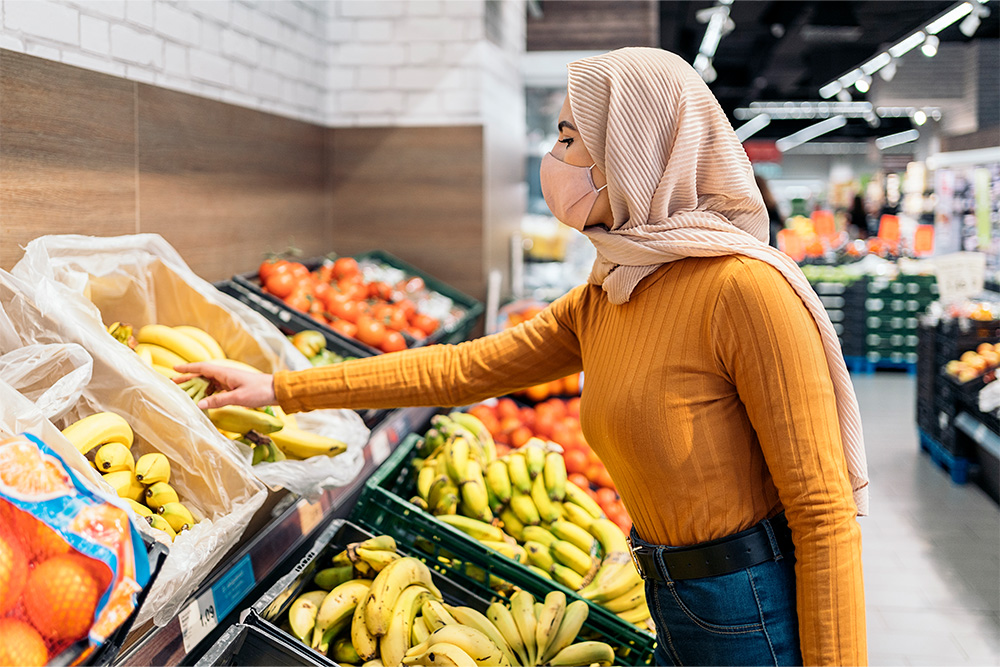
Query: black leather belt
[(709, 559)]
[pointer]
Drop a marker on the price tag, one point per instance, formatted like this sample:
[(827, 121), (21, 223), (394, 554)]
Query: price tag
[(960, 275), (310, 515), (379, 445), (197, 620)]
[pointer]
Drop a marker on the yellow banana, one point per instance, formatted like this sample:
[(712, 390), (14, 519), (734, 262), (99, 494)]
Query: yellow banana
[(548, 511), (524, 508), (474, 642), (152, 468), (159, 523), (615, 577), (538, 534), (503, 620), (396, 641), (511, 524), (506, 548), (478, 429), (632, 598), (120, 332), (549, 620), (309, 342), (178, 516), (534, 455), (475, 528), (419, 633), (444, 655), (377, 559), (338, 606), (567, 576), (572, 556), (517, 467), (388, 586), (572, 621), (302, 613), (539, 555), (173, 340), (540, 572), (448, 504), (498, 480), (554, 473), (471, 618), (98, 429), (473, 488), (578, 496), (124, 484), (160, 355), (238, 419), (610, 536), (159, 494), (114, 457), (147, 358), (376, 543), (238, 365), (138, 507), (440, 486), (577, 515), (304, 444), (424, 480), (584, 653), (168, 373), (456, 458), (287, 419), (205, 339), (365, 643), (522, 608), (574, 534), (436, 615)]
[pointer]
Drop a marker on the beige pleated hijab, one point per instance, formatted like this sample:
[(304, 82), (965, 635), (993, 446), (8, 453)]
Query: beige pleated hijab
[(680, 185)]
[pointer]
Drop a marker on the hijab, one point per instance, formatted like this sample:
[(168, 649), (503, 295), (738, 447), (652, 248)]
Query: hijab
[(680, 185)]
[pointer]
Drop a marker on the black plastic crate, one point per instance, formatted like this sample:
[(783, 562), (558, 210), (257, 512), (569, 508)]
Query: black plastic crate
[(455, 332), (250, 646)]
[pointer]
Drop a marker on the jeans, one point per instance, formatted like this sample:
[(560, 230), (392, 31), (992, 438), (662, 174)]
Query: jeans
[(747, 617)]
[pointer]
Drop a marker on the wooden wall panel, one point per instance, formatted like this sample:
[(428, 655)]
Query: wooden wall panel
[(416, 192), (67, 152), (224, 184), (593, 25)]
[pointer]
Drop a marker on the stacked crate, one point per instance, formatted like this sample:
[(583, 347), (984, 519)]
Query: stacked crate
[(845, 304), (891, 323)]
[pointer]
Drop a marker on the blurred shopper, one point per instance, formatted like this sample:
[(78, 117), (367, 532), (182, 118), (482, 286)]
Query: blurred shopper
[(774, 221), (857, 223), (716, 392)]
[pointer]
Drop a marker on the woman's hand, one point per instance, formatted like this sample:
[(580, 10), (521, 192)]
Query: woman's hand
[(252, 390)]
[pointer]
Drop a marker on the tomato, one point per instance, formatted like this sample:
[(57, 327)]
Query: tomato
[(520, 436), (604, 479), (573, 407), (380, 290), (321, 290), (345, 309), (397, 319), (354, 289), (576, 463), (408, 307), (298, 269), (281, 284), (346, 267), (393, 342), (370, 331), (298, 300), (415, 333), (425, 323), (506, 408), (344, 327), (325, 272), (579, 479), (319, 317), (606, 498), (268, 266)]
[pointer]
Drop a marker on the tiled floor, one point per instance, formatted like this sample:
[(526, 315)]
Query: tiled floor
[(931, 548)]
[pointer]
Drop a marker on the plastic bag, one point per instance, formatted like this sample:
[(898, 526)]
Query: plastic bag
[(72, 561), (140, 279), (210, 474), (23, 368)]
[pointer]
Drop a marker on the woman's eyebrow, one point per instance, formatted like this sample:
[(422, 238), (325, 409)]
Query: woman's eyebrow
[(565, 123)]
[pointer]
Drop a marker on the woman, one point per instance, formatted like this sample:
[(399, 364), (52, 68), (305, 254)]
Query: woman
[(716, 392)]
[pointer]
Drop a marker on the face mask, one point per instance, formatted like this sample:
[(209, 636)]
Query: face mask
[(569, 191)]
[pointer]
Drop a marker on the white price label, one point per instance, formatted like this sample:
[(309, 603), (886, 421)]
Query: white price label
[(960, 275), (379, 444), (197, 620), (310, 514)]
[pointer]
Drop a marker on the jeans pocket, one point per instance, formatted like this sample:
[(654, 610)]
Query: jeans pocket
[(725, 604)]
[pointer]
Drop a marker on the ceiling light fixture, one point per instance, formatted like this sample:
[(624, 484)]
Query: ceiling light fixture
[(719, 25), (876, 63), (908, 44), (863, 84), (970, 24), (810, 133), (949, 17), (896, 139), (844, 95), (830, 89), (889, 71), (930, 46), (790, 110), (752, 127), (919, 117)]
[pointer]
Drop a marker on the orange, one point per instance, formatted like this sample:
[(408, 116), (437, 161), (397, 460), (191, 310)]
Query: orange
[(61, 597), (520, 435), (606, 498), (579, 480), (20, 644), (40, 542), (13, 572), (25, 469)]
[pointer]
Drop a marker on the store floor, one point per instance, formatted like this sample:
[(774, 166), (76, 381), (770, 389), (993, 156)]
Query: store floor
[(931, 548)]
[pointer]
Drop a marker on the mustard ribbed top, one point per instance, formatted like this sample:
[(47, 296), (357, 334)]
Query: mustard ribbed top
[(708, 398)]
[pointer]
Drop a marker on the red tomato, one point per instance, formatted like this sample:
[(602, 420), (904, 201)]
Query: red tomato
[(379, 290), (573, 407), (322, 290), (527, 416), (346, 267), (520, 435), (354, 289), (319, 317), (370, 331), (576, 463), (415, 333), (298, 300), (604, 479), (408, 308), (606, 498), (298, 269), (393, 342), (506, 408), (269, 266), (543, 426), (281, 283), (325, 272), (578, 479), (345, 309), (349, 329), (425, 323)]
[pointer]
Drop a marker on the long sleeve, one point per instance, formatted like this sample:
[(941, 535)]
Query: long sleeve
[(541, 349), (769, 345)]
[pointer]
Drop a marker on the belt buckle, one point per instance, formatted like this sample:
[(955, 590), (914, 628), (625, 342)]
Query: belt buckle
[(631, 553)]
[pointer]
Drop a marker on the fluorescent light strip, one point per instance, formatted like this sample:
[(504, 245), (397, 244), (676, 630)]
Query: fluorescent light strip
[(939, 24), (908, 44), (830, 89), (896, 139), (752, 127), (876, 63), (810, 133)]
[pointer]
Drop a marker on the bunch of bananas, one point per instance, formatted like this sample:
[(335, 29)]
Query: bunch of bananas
[(273, 435), (312, 344), (524, 507), (376, 607), (105, 439)]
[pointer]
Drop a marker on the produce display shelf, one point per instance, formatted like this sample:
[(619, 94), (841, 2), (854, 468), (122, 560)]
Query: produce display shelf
[(383, 508), (220, 599), (978, 431), (958, 467)]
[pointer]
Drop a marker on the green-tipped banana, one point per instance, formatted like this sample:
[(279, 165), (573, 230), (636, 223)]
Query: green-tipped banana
[(524, 508), (539, 571), (572, 556), (572, 621), (456, 458), (574, 534), (578, 496), (534, 454), (498, 480), (302, 614), (238, 419), (584, 653), (159, 494), (610, 536), (477, 428), (473, 619), (554, 474), (480, 530), (331, 577), (343, 652), (567, 576), (159, 523), (539, 555), (511, 524), (474, 494), (152, 468), (517, 468), (337, 607), (424, 480), (576, 514), (114, 457), (538, 534), (377, 559), (178, 516), (548, 511)]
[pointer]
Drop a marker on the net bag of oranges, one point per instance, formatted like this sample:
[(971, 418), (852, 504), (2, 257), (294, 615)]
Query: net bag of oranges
[(71, 563)]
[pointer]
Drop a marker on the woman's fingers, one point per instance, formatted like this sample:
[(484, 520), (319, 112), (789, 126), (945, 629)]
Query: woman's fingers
[(219, 399)]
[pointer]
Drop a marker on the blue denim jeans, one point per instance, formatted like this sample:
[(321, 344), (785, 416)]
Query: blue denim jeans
[(747, 617)]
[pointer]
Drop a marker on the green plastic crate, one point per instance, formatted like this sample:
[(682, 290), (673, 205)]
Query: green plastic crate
[(383, 509)]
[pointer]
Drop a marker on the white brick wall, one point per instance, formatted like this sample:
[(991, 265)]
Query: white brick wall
[(333, 62)]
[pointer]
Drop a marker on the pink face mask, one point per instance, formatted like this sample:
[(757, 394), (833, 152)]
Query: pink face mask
[(569, 190)]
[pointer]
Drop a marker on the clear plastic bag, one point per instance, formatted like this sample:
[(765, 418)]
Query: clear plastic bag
[(140, 279), (209, 473), (29, 370)]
